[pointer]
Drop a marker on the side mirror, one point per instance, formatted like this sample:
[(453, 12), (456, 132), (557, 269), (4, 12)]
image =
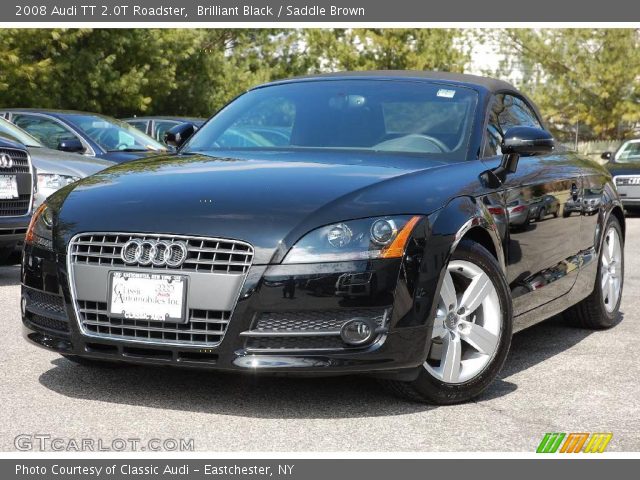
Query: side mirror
[(606, 156), (178, 135), (72, 145), (517, 142), (526, 141)]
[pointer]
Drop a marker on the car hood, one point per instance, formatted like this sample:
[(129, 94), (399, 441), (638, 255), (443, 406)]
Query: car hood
[(626, 168), (122, 156), (269, 200), (46, 160)]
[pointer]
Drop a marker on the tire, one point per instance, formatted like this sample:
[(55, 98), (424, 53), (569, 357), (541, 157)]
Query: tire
[(542, 213), (598, 311), (94, 362), (431, 385)]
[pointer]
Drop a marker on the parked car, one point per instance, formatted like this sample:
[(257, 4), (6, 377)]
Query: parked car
[(540, 207), (624, 165), (16, 195), (90, 134), (156, 127), (54, 169), (382, 183)]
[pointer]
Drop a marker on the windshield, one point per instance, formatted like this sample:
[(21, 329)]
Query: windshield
[(629, 152), (10, 131), (112, 134), (370, 115)]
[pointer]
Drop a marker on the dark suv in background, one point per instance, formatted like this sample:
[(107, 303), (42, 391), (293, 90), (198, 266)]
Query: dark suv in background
[(16, 196)]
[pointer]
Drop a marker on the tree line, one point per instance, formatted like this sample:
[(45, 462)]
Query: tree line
[(584, 80)]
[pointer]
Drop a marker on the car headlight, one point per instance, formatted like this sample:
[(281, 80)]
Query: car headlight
[(50, 182), (381, 237), (40, 231)]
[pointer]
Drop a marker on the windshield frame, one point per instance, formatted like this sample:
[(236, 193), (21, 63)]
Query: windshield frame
[(464, 152), (138, 135)]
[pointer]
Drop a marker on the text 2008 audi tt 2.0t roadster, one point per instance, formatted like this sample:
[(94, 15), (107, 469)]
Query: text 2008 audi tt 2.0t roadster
[(336, 224)]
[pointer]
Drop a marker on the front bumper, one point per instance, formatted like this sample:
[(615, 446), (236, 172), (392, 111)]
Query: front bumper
[(292, 291), (13, 229)]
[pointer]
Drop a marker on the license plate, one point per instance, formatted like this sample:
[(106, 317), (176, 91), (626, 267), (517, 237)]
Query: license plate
[(8, 187), (148, 296)]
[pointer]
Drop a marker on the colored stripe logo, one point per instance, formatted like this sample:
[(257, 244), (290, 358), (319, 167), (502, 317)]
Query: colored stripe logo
[(574, 442)]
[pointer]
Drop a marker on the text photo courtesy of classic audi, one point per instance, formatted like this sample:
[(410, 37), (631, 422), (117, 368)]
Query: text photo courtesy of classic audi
[(398, 224)]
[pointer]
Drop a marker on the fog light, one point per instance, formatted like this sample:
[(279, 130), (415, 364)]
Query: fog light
[(23, 306), (358, 331)]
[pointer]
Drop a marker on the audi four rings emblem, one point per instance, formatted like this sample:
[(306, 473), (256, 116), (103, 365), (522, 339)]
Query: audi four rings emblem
[(6, 161), (159, 253)]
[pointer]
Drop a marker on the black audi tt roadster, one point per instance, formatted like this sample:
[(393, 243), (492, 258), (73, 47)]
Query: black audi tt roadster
[(355, 223)]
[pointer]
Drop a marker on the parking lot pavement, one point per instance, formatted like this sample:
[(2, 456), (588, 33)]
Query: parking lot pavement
[(557, 379)]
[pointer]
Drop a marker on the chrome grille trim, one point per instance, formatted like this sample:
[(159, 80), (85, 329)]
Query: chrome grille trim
[(205, 328), (21, 163), (206, 255)]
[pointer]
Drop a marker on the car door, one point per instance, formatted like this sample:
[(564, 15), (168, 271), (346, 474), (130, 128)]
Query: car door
[(542, 244), (48, 130)]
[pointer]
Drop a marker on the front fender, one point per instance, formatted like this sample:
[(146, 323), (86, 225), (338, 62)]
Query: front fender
[(462, 216)]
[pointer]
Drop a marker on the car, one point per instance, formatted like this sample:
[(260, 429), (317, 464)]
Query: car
[(624, 165), (519, 213), (54, 169), (363, 246), (540, 207), (156, 127), (16, 195), (90, 134)]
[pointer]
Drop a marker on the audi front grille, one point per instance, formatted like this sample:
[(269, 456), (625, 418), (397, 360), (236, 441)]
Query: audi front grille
[(203, 254), (20, 167), (215, 270)]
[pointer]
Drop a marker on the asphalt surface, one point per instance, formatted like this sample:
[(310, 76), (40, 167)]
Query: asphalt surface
[(557, 379)]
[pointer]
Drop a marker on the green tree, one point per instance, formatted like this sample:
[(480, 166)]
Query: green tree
[(388, 49), (580, 78)]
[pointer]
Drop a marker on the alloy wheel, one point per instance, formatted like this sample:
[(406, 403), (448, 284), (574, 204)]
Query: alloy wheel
[(466, 330), (610, 270)]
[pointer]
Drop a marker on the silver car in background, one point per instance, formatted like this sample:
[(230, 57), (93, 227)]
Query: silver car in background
[(54, 168)]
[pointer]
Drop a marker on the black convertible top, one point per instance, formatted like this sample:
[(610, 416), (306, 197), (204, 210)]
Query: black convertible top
[(487, 83)]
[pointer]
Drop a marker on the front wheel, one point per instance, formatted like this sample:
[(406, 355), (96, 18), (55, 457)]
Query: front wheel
[(471, 331)]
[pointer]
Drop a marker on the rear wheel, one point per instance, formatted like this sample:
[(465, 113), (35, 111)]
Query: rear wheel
[(600, 309), (471, 333)]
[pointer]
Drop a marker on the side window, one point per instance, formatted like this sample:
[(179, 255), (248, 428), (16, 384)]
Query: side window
[(161, 127), (48, 131), (139, 124), (507, 111)]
